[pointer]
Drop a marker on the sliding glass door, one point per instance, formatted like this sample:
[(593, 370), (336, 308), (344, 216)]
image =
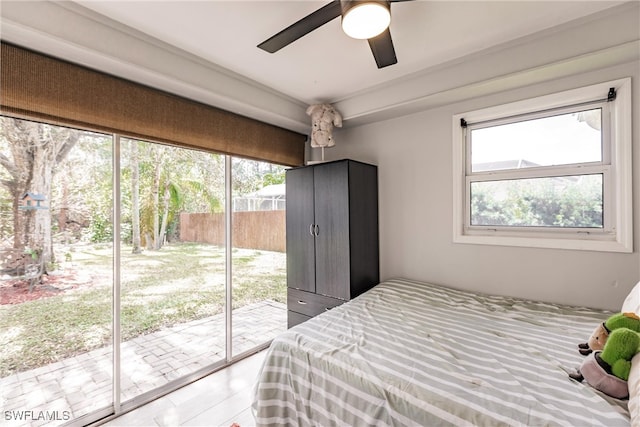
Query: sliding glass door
[(116, 273), (56, 279), (172, 264), (258, 258)]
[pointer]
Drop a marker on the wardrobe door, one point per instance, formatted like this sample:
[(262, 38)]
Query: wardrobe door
[(300, 229), (363, 228), (332, 232)]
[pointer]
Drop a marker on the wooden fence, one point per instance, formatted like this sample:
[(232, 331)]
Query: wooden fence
[(251, 230)]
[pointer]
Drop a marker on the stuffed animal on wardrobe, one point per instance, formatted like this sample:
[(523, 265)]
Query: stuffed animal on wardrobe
[(323, 118)]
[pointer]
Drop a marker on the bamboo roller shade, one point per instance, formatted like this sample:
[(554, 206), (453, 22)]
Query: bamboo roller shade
[(45, 88)]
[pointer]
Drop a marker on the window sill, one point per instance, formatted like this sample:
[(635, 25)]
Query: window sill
[(604, 245)]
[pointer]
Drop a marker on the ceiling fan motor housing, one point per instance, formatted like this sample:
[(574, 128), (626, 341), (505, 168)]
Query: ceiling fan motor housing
[(348, 4)]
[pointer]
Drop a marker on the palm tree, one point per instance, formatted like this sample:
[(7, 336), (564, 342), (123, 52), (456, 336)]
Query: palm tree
[(168, 178)]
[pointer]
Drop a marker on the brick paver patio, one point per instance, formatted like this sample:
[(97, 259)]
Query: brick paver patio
[(83, 383)]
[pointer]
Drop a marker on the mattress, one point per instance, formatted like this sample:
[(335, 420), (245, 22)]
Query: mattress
[(408, 353)]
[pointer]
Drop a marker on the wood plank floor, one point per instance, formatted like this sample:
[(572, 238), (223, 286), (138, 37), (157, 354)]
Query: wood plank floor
[(220, 399)]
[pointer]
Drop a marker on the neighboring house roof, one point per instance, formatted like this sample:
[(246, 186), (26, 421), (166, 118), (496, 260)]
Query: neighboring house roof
[(503, 164), (33, 196), (270, 191)]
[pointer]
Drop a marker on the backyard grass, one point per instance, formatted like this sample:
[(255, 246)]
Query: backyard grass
[(179, 283)]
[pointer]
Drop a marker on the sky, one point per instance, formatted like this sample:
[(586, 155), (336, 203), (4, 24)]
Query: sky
[(555, 140)]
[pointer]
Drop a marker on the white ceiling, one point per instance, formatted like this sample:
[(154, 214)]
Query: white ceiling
[(326, 65), (447, 50)]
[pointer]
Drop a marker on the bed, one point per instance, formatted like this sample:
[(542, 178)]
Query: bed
[(409, 353)]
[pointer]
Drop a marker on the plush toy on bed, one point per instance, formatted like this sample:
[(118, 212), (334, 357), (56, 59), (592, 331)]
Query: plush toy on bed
[(607, 370), (599, 336)]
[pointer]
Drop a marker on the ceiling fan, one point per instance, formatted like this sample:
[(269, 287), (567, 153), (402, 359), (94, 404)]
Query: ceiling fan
[(360, 19)]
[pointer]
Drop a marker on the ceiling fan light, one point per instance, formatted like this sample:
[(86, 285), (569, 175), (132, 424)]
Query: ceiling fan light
[(366, 19)]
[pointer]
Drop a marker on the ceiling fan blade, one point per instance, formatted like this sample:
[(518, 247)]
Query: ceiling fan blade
[(382, 49), (302, 27)]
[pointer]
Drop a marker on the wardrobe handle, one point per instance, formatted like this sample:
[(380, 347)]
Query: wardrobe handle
[(317, 229), (301, 302), (311, 228)]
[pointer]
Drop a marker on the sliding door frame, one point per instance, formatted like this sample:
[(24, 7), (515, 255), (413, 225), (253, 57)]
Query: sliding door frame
[(116, 291), (117, 407)]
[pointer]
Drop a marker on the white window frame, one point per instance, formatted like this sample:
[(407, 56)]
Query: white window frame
[(616, 167)]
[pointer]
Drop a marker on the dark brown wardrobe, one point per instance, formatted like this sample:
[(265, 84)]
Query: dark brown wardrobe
[(332, 235)]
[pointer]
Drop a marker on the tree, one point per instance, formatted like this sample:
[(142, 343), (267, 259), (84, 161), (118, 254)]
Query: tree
[(135, 198), (574, 202), (171, 179), (34, 152)]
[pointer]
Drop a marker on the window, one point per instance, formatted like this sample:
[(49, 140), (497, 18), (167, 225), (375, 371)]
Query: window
[(553, 171)]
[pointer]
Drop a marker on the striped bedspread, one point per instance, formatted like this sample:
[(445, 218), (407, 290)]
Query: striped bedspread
[(416, 354)]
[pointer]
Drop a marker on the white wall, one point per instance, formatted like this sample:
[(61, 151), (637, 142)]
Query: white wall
[(414, 156)]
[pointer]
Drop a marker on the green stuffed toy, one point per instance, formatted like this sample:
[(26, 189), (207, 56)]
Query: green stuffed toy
[(622, 345), (601, 333), (608, 369)]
